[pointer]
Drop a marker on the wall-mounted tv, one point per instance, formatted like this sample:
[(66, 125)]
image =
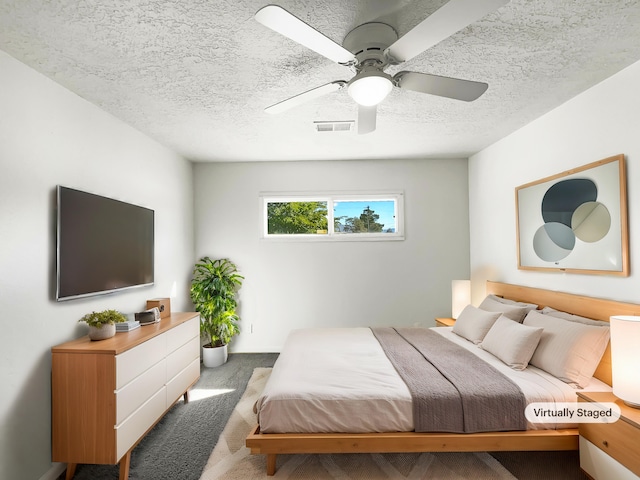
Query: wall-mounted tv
[(103, 245)]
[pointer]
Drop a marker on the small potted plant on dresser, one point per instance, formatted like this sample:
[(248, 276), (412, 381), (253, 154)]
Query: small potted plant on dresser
[(214, 288), (102, 325)]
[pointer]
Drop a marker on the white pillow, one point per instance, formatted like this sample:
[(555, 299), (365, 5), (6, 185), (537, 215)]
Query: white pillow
[(568, 350), (511, 342), (514, 312), (473, 323), (572, 318)]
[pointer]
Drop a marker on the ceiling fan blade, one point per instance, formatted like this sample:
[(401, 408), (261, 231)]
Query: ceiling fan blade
[(279, 20), (305, 97), (452, 17), (455, 88), (366, 119)]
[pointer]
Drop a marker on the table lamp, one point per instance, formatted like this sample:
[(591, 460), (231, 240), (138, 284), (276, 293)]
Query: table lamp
[(625, 358)]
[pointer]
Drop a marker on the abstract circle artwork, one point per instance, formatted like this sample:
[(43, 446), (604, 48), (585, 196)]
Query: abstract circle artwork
[(570, 211), (575, 221)]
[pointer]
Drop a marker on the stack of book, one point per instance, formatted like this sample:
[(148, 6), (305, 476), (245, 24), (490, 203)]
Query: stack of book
[(127, 326)]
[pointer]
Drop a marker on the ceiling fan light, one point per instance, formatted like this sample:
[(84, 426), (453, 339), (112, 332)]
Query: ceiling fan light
[(369, 88)]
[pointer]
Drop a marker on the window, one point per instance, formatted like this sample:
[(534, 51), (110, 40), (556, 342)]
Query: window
[(333, 217)]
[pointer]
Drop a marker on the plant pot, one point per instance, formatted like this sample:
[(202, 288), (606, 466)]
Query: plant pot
[(107, 330), (214, 356)]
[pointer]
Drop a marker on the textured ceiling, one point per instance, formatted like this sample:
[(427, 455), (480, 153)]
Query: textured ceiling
[(197, 74)]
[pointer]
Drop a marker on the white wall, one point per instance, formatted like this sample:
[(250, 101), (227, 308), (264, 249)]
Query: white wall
[(49, 136), (292, 285), (597, 124)]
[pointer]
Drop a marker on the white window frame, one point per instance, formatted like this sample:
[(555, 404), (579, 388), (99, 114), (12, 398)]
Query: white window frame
[(331, 197)]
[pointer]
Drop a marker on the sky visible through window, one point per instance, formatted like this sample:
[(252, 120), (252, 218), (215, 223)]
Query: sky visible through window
[(384, 208)]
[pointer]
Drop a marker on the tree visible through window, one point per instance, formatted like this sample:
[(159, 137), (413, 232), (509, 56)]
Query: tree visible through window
[(297, 218), (346, 217), (368, 221)]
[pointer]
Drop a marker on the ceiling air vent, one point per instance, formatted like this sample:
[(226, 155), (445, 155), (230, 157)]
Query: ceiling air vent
[(343, 126)]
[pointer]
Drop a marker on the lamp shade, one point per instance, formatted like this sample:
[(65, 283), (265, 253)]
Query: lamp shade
[(370, 87), (625, 358), (460, 296)]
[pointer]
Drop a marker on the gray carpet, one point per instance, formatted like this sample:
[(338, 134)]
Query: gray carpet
[(180, 444), (542, 465)]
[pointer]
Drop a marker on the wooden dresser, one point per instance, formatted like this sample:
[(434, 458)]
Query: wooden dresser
[(106, 395)]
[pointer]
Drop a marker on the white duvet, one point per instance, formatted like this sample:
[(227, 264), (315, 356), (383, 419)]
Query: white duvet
[(340, 380)]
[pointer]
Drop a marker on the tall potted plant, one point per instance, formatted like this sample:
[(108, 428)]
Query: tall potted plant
[(214, 287)]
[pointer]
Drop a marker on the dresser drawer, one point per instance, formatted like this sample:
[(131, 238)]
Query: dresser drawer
[(130, 397), (133, 362), (183, 356), (619, 440), (128, 433), (179, 384), (182, 334)]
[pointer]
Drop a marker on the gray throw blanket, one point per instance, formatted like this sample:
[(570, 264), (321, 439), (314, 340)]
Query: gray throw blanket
[(452, 389)]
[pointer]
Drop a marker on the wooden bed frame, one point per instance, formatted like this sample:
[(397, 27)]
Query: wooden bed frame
[(272, 444)]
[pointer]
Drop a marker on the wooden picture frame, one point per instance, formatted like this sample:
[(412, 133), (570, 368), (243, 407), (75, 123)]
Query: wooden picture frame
[(575, 221)]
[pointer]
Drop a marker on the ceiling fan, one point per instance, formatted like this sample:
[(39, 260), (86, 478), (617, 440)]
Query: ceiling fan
[(371, 47)]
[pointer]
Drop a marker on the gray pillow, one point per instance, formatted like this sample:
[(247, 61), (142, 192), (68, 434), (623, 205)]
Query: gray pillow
[(511, 342), (514, 312), (507, 301), (473, 323), (568, 350)]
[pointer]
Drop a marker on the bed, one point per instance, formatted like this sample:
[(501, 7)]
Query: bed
[(350, 428)]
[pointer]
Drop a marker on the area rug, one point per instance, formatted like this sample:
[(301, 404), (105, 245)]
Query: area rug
[(231, 460)]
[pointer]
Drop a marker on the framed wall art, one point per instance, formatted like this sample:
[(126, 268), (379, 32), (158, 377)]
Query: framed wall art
[(575, 221)]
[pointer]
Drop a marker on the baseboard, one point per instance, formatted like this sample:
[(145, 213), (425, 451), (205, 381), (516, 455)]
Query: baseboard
[(54, 472)]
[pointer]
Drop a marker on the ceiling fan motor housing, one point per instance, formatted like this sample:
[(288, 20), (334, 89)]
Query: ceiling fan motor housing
[(368, 43)]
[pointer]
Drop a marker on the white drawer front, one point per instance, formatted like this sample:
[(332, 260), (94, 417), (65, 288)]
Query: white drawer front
[(137, 424), (601, 466), (181, 334), (133, 362), (179, 384), (182, 357), (139, 390)]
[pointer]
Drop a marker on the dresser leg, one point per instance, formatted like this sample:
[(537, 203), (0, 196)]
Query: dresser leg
[(125, 463), (186, 396), (71, 470)]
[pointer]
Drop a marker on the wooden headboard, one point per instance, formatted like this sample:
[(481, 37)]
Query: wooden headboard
[(596, 308)]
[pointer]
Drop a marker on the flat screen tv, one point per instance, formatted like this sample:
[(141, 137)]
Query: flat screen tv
[(103, 245)]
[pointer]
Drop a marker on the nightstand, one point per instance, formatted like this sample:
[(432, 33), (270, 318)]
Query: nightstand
[(611, 450), (445, 322)]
